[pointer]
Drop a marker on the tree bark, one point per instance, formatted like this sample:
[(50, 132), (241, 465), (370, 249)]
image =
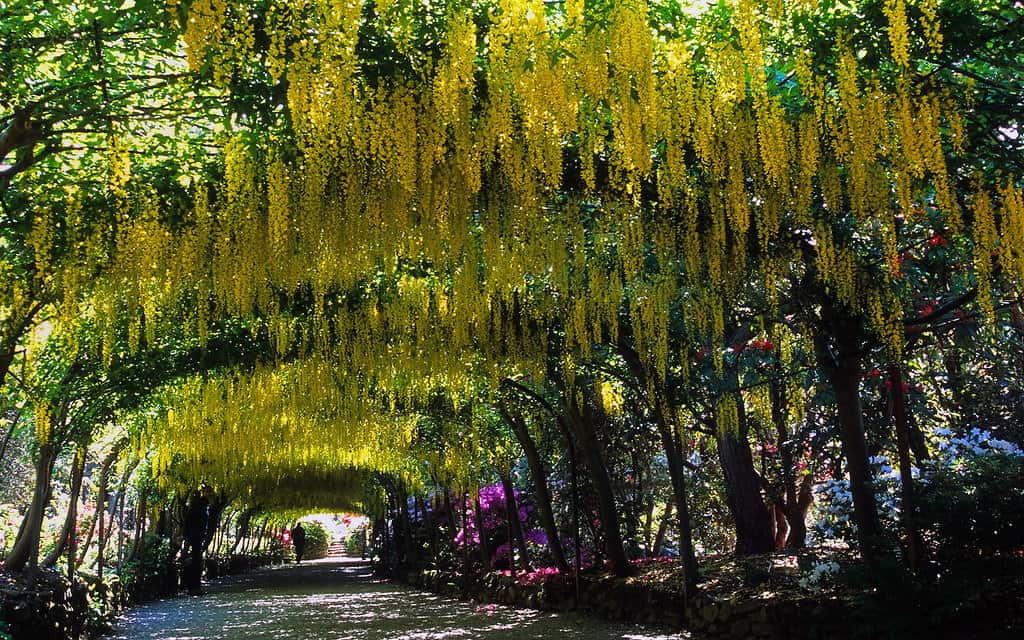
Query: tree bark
[(9, 435), (674, 454), (576, 425), (26, 548), (68, 531), (101, 494), (781, 526), (899, 414), (743, 489), (485, 547), (139, 546), (101, 538), (242, 529), (122, 496), (797, 516), (586, 436), (540, 484), (512, 513), (843, 370), (677, 474), (659, 538), (794, 501)]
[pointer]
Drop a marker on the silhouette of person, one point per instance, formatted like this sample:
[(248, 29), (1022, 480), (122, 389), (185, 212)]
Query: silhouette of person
[(197, 520), (299, 541)]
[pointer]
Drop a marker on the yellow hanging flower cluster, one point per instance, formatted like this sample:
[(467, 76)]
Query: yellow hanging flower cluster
[(425, 223), (44, 423)]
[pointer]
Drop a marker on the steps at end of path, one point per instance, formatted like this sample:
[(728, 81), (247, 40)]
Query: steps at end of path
[(336, 550)]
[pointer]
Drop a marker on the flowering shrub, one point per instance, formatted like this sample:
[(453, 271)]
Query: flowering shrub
[(969, 495), (835, 503), (974, 497), (820, 575), (495, 524)]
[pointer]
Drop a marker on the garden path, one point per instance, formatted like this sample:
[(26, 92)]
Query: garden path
[(338, 599)]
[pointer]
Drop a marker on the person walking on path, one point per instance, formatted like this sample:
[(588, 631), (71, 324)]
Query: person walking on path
[(197, 520), (299, 541)]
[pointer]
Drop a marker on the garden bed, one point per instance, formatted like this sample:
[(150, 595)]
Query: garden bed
[(763, 597), (51, 607)]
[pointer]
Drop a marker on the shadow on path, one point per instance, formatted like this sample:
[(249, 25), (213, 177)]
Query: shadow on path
[(338, 599)]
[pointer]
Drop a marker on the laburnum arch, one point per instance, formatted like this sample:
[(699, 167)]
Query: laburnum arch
[(453, 195)]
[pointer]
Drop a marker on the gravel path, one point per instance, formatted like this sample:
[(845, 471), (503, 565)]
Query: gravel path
[(338, 599)]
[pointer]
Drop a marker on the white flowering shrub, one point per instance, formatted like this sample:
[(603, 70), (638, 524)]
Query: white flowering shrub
[(971, 492), (820, 575), (835, 503), (978, 442)]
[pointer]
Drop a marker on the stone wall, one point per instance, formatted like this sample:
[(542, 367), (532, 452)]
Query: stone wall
[(769, 617)]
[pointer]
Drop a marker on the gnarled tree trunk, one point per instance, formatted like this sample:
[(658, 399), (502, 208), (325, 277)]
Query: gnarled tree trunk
[(743, 490), (26, 548)]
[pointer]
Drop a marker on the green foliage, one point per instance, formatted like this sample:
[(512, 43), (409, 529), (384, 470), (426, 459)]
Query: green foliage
[(973, 510), (154, 575), (317, 540), (355, 543)]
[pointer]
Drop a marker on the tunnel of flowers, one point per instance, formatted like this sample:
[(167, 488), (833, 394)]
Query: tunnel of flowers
[(699, 298)]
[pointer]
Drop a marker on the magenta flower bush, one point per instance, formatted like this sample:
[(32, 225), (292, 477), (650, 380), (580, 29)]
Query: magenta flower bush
[(494, 519)]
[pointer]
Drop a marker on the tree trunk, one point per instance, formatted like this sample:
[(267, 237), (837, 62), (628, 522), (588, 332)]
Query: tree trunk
[(139, 547), (659, 538), (677, 473), (743, 489), (26, 548), (101, 495), (411, 552), (241, 529), (602, 485), (449, 511), (918, 443), (541, 489), (843, 372), (15, 418), (648, 526), (18, 322), (673, 445), (781, 526), (485, 547), (122, 496), (217, 506), (512, 512), (465, 538), (101, 537), (68, 531), (797, 515), (794, 502), (899, 414)]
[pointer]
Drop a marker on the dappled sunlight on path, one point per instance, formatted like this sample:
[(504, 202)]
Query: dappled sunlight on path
[(338, 599)]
